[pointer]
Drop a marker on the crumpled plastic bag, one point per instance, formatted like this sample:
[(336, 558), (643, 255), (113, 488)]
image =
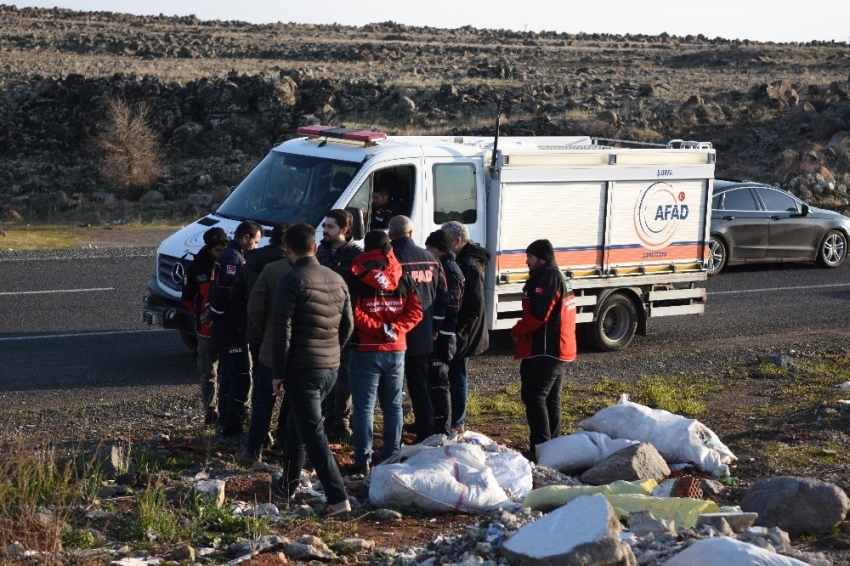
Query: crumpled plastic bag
[(676, 438)]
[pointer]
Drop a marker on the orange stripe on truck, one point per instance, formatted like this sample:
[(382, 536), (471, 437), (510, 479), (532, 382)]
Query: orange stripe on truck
[(584, 258)]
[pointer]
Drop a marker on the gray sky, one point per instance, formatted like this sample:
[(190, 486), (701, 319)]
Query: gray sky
[(757, 20)]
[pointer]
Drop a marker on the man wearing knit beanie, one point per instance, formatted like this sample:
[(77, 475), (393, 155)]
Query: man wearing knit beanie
[(545, 340)]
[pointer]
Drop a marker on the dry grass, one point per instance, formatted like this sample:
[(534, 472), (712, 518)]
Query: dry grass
[(131, 156)]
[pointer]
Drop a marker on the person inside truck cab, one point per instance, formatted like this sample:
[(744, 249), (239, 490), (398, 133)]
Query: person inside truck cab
[(383, 208)]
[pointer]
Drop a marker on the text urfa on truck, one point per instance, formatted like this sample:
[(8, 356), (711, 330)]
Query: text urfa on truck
[(629, 224)]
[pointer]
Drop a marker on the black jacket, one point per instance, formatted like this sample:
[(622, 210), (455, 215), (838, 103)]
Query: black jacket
[(243, 284), (426, 271), (455, 284), (196, 286), (230, 321), (472, 335), (339, 261), (312, 318)]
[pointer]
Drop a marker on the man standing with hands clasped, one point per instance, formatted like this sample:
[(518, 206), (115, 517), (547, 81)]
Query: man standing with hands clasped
[(312, 321), (545, 340)]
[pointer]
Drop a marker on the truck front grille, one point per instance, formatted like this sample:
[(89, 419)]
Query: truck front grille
[(170, 271)]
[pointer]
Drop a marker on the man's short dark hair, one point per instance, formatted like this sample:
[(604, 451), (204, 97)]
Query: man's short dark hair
[(382, 189), (300, 238), (276, 237), (376, 239), (247, 227), (343, 218)]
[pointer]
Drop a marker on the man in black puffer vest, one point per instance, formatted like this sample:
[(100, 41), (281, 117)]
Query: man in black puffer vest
[(426, 271)]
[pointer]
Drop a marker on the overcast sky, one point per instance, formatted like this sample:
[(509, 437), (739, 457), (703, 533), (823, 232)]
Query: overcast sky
[(758, 20)]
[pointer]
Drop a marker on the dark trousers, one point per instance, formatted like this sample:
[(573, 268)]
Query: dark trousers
[(262, 408), (337, 405), (441, 397), (234, 382), (305, 432), (540, 391), (459, 388), (416, 371)]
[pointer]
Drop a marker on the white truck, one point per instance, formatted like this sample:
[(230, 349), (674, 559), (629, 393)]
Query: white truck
[(630, 225)]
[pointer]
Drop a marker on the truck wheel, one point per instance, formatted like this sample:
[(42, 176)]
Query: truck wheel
[(190, 339), (832, 250), (615, 325)]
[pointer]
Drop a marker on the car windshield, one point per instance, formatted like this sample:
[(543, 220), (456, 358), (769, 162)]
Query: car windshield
[(289, 188)]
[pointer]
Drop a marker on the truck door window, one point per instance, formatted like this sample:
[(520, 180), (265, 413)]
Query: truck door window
[(455, 193)]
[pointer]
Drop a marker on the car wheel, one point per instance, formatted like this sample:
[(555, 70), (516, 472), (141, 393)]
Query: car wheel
[(717, 256), (833, 249), (615, 325)]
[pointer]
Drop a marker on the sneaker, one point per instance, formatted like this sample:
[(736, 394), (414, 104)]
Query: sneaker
[(247, 458), (234, 440), (336, 509), (278, 490), (360, 469)]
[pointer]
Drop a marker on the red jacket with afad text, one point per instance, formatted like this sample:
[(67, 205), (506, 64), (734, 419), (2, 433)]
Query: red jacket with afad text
[(381, 293), (548, 323)]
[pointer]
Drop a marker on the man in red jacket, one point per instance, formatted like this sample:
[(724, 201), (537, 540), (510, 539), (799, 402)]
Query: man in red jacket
[(545, 340), (196, 293), (386, 306)]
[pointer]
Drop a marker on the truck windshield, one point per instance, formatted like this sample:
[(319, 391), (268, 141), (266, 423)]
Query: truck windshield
[(289, 188)]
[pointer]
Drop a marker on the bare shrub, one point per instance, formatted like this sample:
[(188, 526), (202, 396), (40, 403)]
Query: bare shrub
[(131, 157)]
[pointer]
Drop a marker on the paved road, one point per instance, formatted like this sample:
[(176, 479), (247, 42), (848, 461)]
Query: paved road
[(72, 323)]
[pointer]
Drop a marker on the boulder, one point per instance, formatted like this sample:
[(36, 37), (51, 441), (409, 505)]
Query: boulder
[(112, 460), (588, 533), (637, 462), (723, 551), (210, 490), (796, 505)]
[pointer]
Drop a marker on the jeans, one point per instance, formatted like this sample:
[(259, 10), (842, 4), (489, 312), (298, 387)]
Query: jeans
[(262, 407), (376, 375), (459, 389), (416, 368), (540, 391), (305, 433), (208, 370), (337, 405), (234, 382)]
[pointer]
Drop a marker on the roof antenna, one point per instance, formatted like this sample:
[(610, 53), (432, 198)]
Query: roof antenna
[(496, 139)]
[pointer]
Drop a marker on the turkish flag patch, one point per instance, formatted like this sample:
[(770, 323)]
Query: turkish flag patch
[(538, 290), (231, 270)]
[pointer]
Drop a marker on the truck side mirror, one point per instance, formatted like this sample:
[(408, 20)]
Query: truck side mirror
[(358, 229)]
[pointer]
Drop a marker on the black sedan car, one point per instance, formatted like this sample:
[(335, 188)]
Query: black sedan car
[(752, 222)]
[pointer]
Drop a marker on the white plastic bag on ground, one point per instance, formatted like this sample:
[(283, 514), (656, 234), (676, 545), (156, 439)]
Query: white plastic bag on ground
[(676, 438), (452, 478), (576, 453)]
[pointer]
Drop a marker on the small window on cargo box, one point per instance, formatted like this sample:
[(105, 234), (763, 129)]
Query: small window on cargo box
[(455, 194)]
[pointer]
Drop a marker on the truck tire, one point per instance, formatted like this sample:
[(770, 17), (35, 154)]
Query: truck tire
[(190, 339), (615, 324)]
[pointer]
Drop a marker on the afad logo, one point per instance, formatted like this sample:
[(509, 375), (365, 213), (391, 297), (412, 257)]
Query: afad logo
[(658, 211)]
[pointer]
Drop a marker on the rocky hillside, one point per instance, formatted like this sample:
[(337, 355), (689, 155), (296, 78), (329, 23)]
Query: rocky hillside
[(212, 97)]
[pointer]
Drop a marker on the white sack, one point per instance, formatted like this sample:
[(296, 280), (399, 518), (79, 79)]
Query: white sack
[(512, 472), (676, 438), (576, 453), (723, 551), (452, 478)]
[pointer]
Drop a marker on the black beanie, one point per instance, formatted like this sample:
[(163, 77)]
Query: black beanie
[(441, 240), (215, 237), (376, 239), (541, 249)]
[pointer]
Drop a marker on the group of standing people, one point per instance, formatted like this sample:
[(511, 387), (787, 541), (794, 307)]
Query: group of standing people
[(334, 329)]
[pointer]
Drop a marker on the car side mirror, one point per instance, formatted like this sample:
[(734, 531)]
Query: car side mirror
[(358, 228), (805, 210)]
